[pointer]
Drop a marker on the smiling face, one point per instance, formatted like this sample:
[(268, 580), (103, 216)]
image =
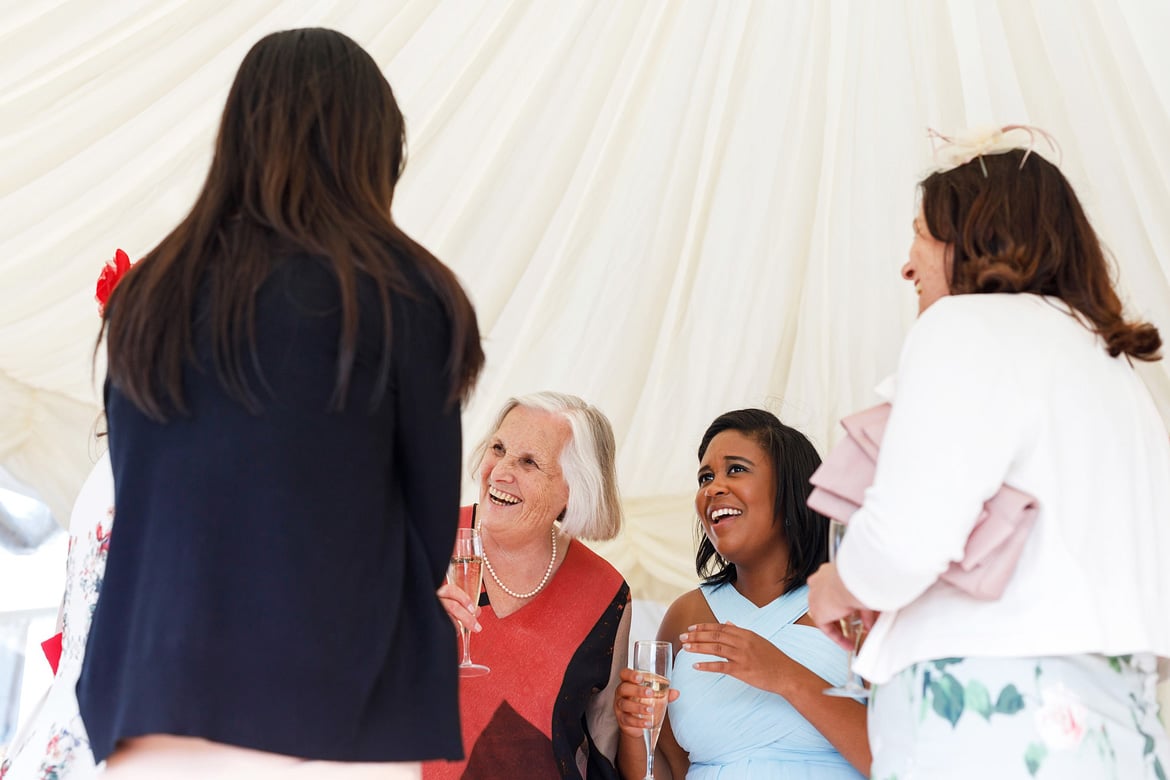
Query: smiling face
[(928, 266), (521, 487), (736, 499)]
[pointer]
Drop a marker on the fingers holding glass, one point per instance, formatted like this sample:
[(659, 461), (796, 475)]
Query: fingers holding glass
[(654, 662), (852, 628), (466, 574)]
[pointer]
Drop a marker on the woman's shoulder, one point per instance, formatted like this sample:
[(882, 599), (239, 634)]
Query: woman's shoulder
[(685, 611), (587, 563), (693, 603), (997, 327), (989, 309), (971, 328)]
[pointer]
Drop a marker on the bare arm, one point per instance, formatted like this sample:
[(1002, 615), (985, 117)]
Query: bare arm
[(841, 721), (632, 708), (677, 760)]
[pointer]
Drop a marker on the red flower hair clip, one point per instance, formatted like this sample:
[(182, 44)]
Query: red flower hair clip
[(112, 273)]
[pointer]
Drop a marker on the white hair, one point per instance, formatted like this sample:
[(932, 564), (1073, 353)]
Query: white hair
[(588, 462)]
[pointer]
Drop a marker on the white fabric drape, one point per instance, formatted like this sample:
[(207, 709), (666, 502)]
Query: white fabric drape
[(671, 208)]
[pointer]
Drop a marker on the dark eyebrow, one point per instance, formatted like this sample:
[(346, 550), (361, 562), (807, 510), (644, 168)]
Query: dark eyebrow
[(739, 459), (735, 458)]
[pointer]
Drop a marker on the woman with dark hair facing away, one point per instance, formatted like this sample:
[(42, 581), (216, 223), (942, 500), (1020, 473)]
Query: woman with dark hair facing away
[(750, 668), (1018, 372), (286, 370)]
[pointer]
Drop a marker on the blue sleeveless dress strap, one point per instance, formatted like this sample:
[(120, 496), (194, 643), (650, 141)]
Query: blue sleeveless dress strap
[(732, 730)]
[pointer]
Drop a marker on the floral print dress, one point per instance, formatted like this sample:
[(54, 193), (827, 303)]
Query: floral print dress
[(53, 745), (1056, 718)]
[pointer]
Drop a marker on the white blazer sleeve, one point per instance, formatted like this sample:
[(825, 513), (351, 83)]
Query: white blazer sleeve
[(956, 425)]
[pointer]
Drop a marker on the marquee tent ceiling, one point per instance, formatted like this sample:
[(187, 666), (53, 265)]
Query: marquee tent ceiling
[(671, 208)]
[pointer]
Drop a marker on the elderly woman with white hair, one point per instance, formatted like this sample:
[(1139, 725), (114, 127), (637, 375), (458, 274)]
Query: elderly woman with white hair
[(552, 620)]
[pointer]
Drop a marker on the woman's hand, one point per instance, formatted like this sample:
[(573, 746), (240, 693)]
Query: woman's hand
[(459, 605), (750, 657), (633, 704), (830, 602)]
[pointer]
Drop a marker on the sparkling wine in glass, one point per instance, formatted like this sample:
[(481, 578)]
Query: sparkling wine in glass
[(851, 627), (655, 661), (466, 573)]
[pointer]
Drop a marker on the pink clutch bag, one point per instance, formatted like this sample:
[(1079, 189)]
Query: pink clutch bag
[(996, 542)]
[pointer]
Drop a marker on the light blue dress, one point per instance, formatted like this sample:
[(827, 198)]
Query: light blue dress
[(732, 730)]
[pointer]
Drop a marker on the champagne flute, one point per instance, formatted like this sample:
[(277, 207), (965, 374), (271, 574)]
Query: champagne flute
[(655, 661), (851, 627), (466, 573)]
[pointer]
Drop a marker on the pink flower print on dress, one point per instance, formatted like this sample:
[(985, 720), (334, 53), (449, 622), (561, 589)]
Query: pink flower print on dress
[(1061, 718), (103, 538)]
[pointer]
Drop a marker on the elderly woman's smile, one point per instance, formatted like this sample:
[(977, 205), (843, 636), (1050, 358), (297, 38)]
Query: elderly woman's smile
[(500, 498), (521, 469)]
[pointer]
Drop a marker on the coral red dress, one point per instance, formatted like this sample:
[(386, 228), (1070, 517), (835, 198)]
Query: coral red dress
[(547, 703)]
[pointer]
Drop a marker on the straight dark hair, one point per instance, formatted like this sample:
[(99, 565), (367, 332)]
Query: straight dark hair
[(309, 150), (1015, 225), (794, 459)]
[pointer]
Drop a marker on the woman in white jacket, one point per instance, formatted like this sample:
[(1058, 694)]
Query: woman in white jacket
[(1019, 372)]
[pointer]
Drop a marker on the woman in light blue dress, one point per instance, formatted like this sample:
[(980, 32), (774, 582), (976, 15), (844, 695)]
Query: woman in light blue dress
[(750, 669)]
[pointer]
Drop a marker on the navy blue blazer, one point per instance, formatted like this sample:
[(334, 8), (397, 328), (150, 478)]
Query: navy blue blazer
[(271, 583)]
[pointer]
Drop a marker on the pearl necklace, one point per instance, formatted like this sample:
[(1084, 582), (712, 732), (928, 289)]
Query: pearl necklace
[(543, 580)]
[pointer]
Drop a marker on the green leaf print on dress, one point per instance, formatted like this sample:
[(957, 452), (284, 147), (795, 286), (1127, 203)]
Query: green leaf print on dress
[(1033, 756), (978, 699), (947, 698), (1059, 717), (1010, 701), (1044, 718)]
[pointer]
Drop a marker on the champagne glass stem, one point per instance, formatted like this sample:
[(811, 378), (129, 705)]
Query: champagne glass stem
[(854, 686), (465, 634), (648, 738), (858, 628)]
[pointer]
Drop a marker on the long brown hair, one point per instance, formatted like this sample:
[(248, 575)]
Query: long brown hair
[(1014, 224), (310, 148)]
